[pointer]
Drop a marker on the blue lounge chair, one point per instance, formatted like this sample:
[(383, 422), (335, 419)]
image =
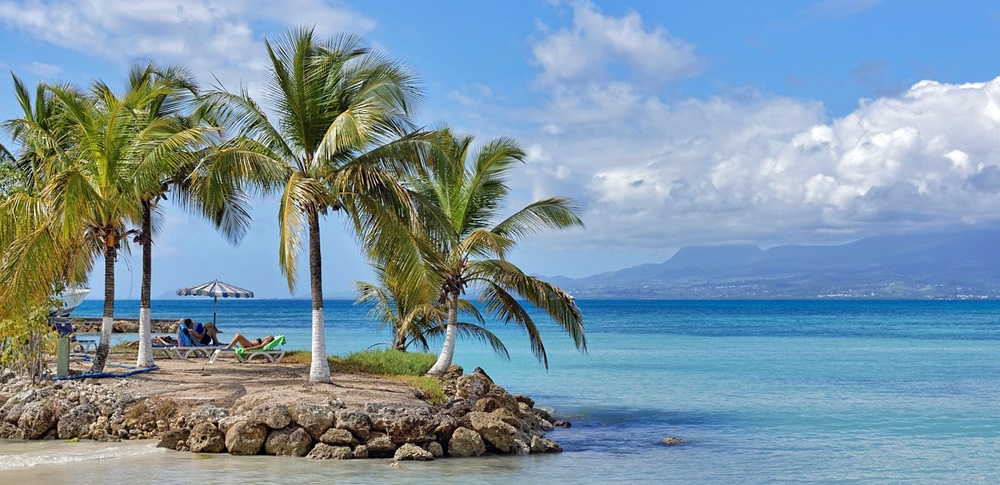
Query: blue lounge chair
[(188, 346)]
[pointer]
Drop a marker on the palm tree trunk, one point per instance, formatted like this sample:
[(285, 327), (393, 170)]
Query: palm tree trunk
[(145, 358), (319, 369), (107, 322), (448, 351)]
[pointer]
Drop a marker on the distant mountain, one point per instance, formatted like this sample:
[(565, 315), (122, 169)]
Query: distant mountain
[(946, 265)]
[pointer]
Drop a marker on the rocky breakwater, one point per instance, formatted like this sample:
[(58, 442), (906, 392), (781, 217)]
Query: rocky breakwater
[(482, 418)]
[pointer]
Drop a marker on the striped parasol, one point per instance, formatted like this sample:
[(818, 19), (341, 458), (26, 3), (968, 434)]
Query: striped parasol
[(215, 289)]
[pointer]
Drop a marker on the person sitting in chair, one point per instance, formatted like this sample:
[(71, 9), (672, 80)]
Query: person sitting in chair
[(203, 334), (249, 344)]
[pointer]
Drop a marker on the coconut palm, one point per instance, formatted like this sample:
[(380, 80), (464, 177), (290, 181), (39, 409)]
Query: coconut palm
[(461, 193), (341, 117), (208, 179), (410, 308)]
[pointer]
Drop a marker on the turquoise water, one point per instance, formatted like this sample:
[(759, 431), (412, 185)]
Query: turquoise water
[(762, 391)]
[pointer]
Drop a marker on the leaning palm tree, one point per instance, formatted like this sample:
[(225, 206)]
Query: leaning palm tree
[(342, 117), (409, 308), (461, 193)]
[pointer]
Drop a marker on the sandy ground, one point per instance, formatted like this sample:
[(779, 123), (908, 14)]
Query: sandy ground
[(222, 383)]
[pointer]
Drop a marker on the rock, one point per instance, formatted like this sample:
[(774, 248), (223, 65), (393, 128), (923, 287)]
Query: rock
[(36, 419), (313, 418), (355, 421), (288, 442), (473, 387), (544, 445), (275, 416), (174, 439), (10, 432), (672, 441), (244, 438), (519, 447), (546, 426), (77, 421), (361, 452), (403, 425), (446, 426), (543, 415), (338, 437), (521, 398), (225, 424), (466, 442), (494, 431), (380, 446), (208, 414), (562, 424), (435, 448), (412, 452), (323, 451), (206, 438)]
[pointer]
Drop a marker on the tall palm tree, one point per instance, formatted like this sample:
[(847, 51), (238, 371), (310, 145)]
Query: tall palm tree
[(208, 178), (461, 193), (342, 122)]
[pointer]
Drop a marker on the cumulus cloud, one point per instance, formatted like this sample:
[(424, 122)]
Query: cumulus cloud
[(767, 169), (595, 42), (211, 38)]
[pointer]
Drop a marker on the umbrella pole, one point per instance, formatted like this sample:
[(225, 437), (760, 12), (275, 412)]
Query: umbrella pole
[(215, 302)]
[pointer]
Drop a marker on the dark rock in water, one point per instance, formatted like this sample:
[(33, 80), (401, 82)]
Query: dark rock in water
[(544, 445), (435, 449), (562, 424), (672, 441)]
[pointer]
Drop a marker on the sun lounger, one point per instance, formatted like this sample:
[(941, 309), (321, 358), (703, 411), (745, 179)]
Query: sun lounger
[(65, 329), (188, 347), (270, 351)]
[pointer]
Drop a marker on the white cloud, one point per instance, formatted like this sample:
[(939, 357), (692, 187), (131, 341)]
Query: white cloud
[(211, 38), (769, 169), (595, 41), (43, 70)]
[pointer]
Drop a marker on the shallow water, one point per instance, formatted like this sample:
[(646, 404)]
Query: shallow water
[(761, 391)]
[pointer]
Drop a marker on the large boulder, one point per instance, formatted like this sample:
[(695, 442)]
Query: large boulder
[(275, 416), (494, 431), (323, 451), (314, 418), (288, 442), (355, 421), (206, 438), (244, 438), (77, 421), (466, 442), (174, 439), (411, 452), (403, 425), (36, 419), (435, 448)]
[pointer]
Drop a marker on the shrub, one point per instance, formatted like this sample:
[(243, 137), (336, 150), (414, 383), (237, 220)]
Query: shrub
[(390, 362), (25, 342)]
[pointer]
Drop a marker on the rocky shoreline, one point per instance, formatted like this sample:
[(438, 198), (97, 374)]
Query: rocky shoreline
[(480, 418)]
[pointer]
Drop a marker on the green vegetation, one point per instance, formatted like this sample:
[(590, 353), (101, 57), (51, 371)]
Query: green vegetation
[(25, 342), (90, 167)]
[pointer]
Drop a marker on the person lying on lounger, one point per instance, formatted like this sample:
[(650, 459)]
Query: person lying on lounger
[(204, 334), (249, 344)]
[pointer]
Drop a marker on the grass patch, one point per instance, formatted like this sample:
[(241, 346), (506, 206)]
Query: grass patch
[(301, 357), (431, 386), (388, 362)]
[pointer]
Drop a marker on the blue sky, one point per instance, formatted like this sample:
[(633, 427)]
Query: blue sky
[(670, 123)]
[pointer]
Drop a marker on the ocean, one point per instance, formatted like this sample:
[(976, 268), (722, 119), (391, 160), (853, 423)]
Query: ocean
[(760, 391)]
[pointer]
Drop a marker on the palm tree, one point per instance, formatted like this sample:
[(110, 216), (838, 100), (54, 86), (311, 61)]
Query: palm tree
[(461, 193), (411, 310), (342, 117), (208, 176)]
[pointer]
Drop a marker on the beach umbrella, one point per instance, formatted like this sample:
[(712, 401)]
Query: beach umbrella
[(215, 289)]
